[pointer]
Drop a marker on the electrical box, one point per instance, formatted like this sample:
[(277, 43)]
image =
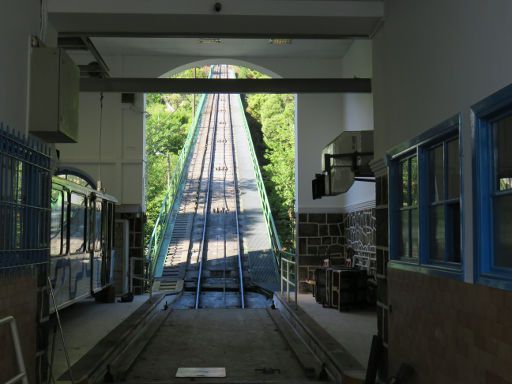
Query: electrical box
[(54, 95)]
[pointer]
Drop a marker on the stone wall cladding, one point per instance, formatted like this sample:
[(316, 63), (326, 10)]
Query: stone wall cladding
[(360, 236), (449, 331), (321, 235)]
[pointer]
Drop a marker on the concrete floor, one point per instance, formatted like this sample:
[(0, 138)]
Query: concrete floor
[(352, 329), (242, 341), (85, 323)]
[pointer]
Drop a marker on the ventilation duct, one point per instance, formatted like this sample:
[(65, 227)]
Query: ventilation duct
[(344, 160)]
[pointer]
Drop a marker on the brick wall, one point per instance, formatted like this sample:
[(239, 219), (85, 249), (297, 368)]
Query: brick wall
[(449, 331), (18, 298)]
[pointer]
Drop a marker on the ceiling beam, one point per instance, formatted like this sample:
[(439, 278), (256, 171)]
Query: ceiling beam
[(146, 85), (192, 18)]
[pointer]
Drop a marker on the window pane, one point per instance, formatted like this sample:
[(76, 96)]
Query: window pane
[(437, 235), (502, 143), (436, 176), (56, 221), (453, 181), (404, 234), (453, 217), (503, 231), (414, 180), (97, 227), (65, 224), (404, 180), (414, 233), (77, 224)]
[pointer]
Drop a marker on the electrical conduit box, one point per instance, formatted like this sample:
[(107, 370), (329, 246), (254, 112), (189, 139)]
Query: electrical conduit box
[(54, 95)]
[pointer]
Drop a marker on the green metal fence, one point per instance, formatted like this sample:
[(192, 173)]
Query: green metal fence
[(267, 212), (163, 219)]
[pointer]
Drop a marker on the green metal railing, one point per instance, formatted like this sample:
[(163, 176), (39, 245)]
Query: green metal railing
[(162, 221), (267, 212)]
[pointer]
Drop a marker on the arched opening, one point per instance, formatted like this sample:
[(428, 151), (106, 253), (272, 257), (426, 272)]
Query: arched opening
[(271, 126), (227, 61), (76, 176)]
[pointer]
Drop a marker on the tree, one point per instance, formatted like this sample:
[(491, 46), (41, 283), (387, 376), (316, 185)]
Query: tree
[(275, 116)]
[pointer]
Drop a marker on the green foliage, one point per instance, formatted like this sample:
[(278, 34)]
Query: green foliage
[(247, 73), (276, 115), (168, 119)]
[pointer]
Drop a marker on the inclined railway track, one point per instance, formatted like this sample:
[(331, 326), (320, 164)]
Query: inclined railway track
[(215, 254)]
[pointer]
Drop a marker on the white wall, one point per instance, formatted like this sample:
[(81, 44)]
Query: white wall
[(18, 21), (122, 146), (320, 118), (317, 121), (357, 115), (433, 60)]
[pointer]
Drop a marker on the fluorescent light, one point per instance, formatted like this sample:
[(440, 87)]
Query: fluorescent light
[(280, 41), (210, 41)]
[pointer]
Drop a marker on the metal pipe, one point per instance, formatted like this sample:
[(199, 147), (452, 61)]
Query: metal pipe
[(68, 362)]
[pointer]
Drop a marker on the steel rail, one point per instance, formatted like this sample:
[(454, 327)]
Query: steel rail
[(207, 200), (235, 184)]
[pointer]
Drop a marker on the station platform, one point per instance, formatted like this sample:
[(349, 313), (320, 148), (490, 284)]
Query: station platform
[(91, 329), (353, 329), (85, 324)]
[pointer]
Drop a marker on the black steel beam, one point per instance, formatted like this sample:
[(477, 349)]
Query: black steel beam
[(334, 85)]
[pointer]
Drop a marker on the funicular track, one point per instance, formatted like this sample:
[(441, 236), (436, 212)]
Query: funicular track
[(206, 241), (206, 249)]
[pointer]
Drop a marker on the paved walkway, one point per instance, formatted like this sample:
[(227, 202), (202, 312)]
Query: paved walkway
[(85, 323), (352, 329)]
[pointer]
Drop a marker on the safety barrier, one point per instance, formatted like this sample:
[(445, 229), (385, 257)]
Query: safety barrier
[(25, 183), (267, 212), (288, 273), (172, 192), (288, 277)]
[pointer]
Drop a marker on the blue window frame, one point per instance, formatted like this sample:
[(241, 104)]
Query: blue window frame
[(493, 189), (424, 202)]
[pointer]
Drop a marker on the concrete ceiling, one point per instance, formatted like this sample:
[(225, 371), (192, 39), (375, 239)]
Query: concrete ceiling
[(298, 48)]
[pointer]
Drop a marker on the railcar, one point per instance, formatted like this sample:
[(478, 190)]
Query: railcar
[(81, 242)]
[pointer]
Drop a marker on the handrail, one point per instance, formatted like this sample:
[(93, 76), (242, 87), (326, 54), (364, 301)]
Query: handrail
[(288, 278), (267, 212), (281, 257), (22, 376), (170, 196)]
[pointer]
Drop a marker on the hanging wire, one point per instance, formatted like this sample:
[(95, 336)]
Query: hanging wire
[(99, 187)]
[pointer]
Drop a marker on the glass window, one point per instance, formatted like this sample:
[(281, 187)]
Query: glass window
[(56, 226), (425, 225), (502, 196), (409, 235), (77, 223), (97, 226), (444, 184)]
